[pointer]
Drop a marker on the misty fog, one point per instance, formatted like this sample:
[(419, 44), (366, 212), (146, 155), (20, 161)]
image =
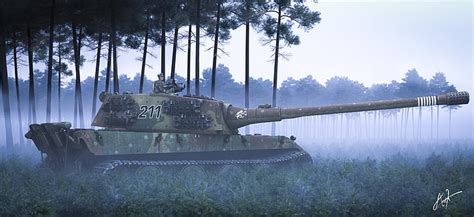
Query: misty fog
[(418, 132)]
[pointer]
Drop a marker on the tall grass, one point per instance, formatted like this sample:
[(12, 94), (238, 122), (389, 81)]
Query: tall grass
[(398, 185)]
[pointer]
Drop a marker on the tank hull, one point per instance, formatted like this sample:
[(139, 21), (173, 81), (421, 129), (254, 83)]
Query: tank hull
[(108, 150)]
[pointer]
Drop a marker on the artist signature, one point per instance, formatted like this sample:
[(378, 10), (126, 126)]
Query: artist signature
[(444, 202)]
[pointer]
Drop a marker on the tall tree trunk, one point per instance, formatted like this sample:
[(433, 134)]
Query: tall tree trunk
[(163, 44), (114, 47), (96, 76), (109, 63), (116, 77), (4, 84), (77, 61), (188, 72), (449, 123), (81, 107), (31, 82), (59, 80), (50, 64), (214, 57), (145, 48), (247, 63), (275, 69), (175, 46), (17, 89), (198, 27)]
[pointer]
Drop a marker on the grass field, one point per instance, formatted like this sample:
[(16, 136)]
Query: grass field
[(398, 185)]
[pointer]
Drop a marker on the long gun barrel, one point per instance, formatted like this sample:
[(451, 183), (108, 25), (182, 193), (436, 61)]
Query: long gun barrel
[(239, 117)]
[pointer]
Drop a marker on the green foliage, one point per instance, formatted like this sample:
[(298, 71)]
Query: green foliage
[(344, 90), (290, 13), (310, 91), (396, 186), (438, 83), (413, 84)]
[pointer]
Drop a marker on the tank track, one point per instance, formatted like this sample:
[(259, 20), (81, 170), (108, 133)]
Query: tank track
[(288, 158)]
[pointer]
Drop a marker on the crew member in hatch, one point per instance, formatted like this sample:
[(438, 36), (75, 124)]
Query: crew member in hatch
[(159, 85)]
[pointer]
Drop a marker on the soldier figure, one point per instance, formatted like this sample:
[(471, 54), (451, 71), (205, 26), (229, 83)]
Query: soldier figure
[(170, 87), (159, 85)]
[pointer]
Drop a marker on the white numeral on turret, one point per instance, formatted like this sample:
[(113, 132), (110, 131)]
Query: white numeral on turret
[(152, 110)]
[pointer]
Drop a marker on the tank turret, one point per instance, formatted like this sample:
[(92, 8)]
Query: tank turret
[(175, 114)]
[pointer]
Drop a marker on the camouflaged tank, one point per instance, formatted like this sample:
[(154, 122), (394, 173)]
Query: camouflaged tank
[(179, 132)]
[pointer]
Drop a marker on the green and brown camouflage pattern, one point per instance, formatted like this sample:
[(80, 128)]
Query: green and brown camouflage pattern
[(87, 148), (167, 113), (166, 129), (162, 113), (107, 142)]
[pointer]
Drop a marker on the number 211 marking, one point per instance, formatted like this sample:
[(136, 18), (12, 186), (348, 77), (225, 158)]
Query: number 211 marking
[(151, 110)]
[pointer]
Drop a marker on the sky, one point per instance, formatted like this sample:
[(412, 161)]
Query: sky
[(370, 42), (367, 41)]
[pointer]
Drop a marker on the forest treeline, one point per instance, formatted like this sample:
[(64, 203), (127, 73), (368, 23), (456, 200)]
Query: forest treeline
[(306, 91), (303, 92), (56, 32)]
